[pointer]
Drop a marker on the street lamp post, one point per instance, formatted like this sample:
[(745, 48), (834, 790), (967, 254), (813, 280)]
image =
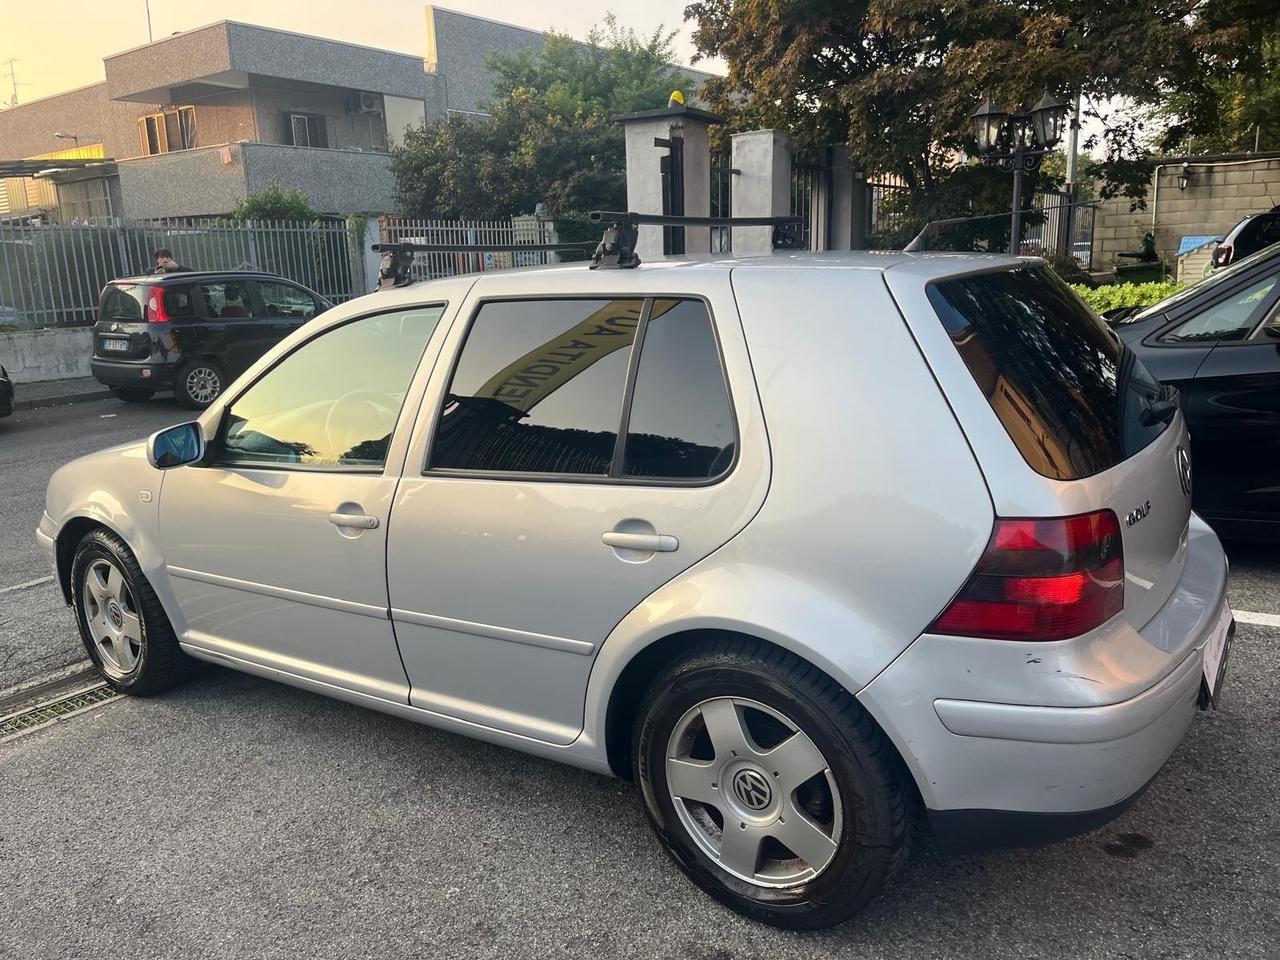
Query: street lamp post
[(1016, 142)]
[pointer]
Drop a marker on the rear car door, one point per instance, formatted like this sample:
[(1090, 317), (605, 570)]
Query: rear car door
[(580, 451), (233, 334), (276, 551), (284, 306), (1236, 419)]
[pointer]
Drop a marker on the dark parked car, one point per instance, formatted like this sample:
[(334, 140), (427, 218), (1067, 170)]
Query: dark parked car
[(6, 393), (1254, 232), (1218, 342), (192, 333)]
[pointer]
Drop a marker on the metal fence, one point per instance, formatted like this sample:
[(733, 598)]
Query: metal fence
[(1055, 217), (721, 200), (802, 178), (52, 274), (432, 266), (887, 208)]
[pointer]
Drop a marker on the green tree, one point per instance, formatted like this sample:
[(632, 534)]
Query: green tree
[(898, 79), (550, 138), (273, 204)]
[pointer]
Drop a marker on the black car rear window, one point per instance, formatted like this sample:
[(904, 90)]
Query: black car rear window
[(124, 301), (1072, 398)]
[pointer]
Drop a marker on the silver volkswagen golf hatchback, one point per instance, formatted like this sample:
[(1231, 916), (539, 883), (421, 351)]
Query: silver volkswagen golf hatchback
[(802, 544)]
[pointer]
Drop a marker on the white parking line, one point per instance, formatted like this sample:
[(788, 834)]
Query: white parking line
[(1261, 619), (24, 586)]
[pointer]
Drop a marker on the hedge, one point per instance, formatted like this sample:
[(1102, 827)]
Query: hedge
[(1113, 295)]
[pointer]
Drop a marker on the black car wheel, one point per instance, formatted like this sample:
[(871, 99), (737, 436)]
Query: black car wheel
[(133, 394), (200, 382), (124, 628), (770, 786)]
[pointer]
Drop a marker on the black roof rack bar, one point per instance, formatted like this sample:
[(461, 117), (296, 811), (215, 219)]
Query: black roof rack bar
[(588, 245), (663, 220)]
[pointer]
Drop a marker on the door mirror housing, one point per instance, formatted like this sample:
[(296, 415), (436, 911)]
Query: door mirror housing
[(176, 446), (1272, 329)]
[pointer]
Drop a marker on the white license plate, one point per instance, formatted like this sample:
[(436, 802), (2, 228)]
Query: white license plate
[(121, 346), (1215, 652)]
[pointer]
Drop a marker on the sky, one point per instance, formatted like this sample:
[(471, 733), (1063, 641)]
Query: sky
[(59, 44)]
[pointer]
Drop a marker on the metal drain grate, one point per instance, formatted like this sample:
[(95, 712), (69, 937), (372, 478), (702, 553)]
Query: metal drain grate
[(31, 718)]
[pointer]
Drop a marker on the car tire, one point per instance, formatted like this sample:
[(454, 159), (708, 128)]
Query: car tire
[(133, 394), (850, 820), (122, 624), (199, 383)]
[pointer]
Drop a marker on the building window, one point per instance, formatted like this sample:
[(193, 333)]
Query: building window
[(306, 130), (173, 128)]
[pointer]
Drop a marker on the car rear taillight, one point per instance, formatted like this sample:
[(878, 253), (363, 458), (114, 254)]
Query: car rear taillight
[(1042, 579), (1222, 255), (156, 312)]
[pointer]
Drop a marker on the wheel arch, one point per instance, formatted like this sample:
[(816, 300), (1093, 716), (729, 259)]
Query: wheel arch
[(646, 663), (66, 541)]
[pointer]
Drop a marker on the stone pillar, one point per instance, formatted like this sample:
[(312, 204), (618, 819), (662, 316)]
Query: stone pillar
[(761, 160), (644, 174), (849, 201)]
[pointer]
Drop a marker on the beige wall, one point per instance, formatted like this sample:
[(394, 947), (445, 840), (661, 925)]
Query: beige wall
[(1219, 194)]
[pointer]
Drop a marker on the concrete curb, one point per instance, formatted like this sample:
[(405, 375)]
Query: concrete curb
[(58, 400)]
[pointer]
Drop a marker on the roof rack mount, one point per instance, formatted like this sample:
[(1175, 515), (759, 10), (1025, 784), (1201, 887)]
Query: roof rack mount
[(615, 250)]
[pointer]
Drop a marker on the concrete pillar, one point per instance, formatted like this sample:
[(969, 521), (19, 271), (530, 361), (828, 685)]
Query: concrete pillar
[(850, 214), (644, 174), (761, 185)]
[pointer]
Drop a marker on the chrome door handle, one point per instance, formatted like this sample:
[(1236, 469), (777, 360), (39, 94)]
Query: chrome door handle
[(354, 521), (648, 542)]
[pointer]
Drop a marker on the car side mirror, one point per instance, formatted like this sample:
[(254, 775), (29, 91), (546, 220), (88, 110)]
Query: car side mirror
[(1272, 330), (176, 446)]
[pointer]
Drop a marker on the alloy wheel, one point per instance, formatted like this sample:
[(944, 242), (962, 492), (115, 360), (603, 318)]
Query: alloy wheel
[(111, 614), (754, 792), (203, 384)]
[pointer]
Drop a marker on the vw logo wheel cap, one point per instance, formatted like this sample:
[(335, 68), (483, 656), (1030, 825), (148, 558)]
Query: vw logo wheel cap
[(752, 789)]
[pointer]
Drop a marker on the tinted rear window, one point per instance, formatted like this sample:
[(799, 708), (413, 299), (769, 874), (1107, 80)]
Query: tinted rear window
[(124, 301), (1073, 399)]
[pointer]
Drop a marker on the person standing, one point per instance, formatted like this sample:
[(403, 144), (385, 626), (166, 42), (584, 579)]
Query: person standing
[(164, 262)]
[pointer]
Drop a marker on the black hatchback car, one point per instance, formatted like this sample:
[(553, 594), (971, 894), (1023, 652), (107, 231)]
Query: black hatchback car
[(192, 333), (1250, 235), (1218, 342)]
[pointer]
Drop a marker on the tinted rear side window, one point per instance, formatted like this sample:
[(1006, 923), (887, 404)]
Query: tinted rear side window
[(681, 422), (538, 388), (1070, 396), (124, 302), (179, 303)]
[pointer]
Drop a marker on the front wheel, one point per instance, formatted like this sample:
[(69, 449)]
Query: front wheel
[(199, 383), (770, 786), (123, 626)]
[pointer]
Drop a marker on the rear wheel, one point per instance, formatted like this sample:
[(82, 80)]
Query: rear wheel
[(199, 383), (124, 628), (770, 786), (133, 394)]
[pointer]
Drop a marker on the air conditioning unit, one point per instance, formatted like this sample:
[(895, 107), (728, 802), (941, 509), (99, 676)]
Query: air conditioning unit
[(366, 103)]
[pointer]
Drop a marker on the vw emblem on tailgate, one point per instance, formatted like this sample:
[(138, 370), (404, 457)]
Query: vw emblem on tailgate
[(1182, 460)]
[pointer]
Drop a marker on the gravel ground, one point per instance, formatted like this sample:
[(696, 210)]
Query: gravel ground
[(239, 818)]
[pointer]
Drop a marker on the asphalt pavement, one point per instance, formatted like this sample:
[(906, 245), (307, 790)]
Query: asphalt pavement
[(234, 817)]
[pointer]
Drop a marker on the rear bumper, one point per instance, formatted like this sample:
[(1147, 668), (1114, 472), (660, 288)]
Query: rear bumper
[(1098, 716), (126, 373)]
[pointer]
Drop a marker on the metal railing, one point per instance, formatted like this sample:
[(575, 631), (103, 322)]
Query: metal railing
[(468, 233), (52, 274)]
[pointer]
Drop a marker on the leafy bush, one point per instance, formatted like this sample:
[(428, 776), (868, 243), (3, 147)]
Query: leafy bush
[(1114, 295), (274, 204)]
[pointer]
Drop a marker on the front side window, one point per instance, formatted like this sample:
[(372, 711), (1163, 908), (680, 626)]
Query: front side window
[(335, 400), (284, 300), (1232, 319), (225, 300), (538, 388)]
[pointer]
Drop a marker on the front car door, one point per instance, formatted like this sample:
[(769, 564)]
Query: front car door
[(575, 453), (276, 552)]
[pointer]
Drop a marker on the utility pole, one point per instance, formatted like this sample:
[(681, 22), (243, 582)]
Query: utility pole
[(13, 80), (150, 39), (1067, 218)]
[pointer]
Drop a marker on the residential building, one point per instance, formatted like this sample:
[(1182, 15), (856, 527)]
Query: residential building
[(189, 125)]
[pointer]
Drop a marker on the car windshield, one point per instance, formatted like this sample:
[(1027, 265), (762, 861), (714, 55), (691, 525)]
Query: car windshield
[(1200, 286)]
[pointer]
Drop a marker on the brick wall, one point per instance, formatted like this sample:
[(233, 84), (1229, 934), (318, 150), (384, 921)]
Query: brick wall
[(1221, 191)]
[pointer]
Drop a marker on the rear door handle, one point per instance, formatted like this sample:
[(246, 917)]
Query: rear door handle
[(354, 521), (648, 542)]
